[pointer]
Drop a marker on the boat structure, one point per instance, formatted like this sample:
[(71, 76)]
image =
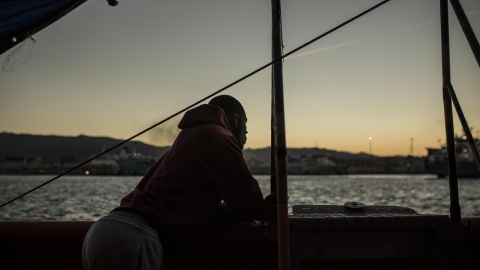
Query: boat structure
[(436, 161), (348, 236), (314, 165), (133, 162), (125, 163)]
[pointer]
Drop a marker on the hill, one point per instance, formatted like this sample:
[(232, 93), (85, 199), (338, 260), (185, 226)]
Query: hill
[(53, 148), (25, 153)]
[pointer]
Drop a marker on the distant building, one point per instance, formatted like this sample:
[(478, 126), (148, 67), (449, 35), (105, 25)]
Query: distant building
[(133, 163), (314, 164), (353, 164), (20, 164)]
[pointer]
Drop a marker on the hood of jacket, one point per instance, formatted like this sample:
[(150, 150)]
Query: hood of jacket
[(204, 114)]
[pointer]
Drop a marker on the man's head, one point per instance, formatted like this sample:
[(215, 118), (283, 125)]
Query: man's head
[(236, 117)]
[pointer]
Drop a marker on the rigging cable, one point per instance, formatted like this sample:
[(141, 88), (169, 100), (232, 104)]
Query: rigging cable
[(200, 101)]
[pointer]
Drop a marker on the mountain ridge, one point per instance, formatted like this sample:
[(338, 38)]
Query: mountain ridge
[(54, 150), (54, 147)]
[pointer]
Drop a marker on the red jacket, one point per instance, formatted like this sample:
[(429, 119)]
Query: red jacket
[(181, 194)]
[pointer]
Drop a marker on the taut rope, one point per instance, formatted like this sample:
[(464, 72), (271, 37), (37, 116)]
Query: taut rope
[(198, 102)]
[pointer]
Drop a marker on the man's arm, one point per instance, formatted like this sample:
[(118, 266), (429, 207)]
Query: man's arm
[(229, 174)]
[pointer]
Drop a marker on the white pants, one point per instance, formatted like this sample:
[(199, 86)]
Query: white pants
[(122, 240)]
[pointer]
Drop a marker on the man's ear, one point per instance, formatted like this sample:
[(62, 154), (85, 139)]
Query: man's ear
[(236, 120)]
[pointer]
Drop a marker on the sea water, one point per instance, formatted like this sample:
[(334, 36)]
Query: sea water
[(90, 197)]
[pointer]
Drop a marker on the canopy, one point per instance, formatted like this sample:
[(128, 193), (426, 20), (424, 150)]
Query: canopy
[(20, 19)]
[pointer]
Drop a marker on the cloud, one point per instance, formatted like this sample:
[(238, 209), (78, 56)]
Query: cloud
[(328, 48), (343, 44)]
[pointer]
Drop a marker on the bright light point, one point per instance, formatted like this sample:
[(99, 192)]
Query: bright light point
[(370, 138), (87, 172)]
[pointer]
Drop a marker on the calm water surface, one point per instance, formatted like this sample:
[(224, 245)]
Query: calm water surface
[(90, 197)]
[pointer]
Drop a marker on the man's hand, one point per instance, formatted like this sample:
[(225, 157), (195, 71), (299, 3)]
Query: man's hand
[(270, 204)]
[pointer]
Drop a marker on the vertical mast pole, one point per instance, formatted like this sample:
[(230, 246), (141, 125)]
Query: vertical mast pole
[(280, 141), (273, 173), (455, 215)]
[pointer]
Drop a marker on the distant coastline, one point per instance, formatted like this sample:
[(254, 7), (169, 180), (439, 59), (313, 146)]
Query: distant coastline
[(38, 154)]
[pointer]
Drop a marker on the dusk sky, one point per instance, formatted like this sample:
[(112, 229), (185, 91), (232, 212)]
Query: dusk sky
[(114, 71)]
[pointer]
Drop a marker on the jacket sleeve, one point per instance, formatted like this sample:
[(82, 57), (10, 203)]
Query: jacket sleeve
[(230, 177)]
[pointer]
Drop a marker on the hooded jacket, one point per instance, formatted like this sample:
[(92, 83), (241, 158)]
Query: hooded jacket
[(181, 195)]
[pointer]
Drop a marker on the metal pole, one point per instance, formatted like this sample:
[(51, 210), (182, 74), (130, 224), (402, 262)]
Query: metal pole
[(455, 215), (280, 142), (464, 123), (273, 173), (467, 29), (475, 46)]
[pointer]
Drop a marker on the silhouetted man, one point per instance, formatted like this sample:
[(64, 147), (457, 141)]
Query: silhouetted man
[(199, 184)]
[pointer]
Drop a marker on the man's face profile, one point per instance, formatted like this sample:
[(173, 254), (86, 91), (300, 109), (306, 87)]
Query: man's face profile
[(241, 129)]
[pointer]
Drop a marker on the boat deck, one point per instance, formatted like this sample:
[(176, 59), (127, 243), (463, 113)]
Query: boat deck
[(322, 237)]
